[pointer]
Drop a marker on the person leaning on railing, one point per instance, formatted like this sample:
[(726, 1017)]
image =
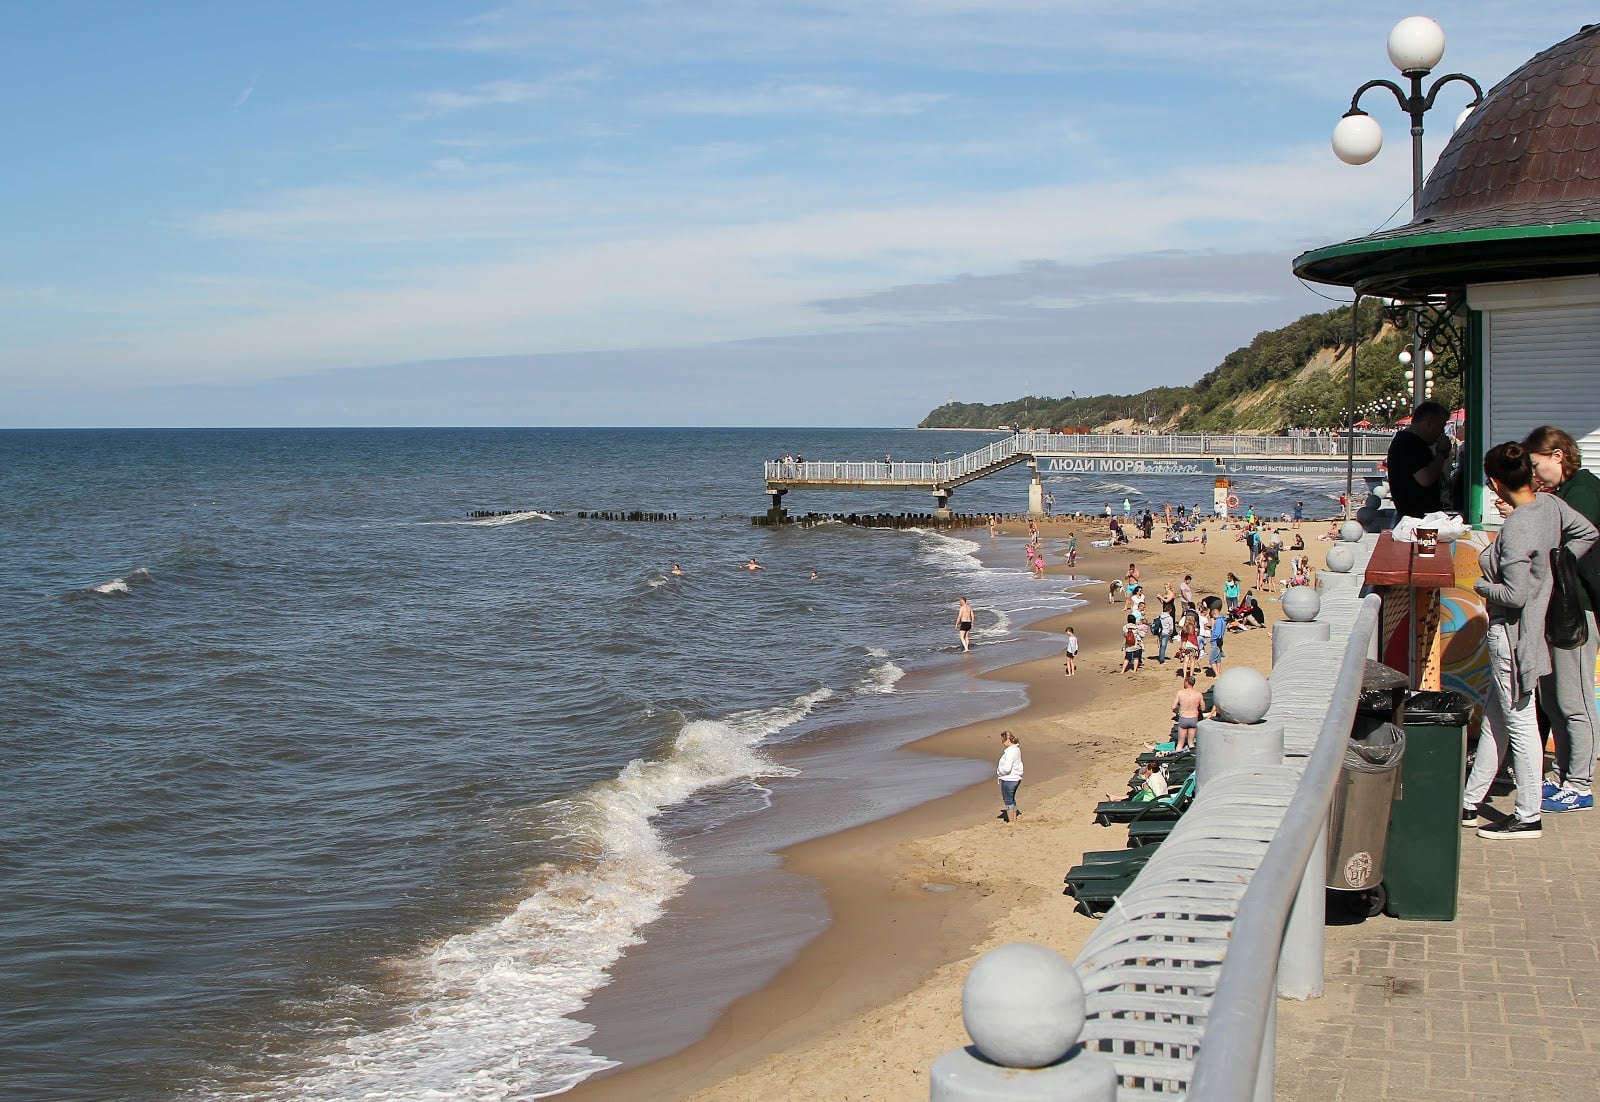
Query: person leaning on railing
[(1566, 694)]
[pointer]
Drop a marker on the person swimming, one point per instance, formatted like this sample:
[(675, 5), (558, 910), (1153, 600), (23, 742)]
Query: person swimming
[(677, 571), (752, 565)]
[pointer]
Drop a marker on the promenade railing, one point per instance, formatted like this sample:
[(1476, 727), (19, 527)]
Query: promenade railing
[(1177, 986)]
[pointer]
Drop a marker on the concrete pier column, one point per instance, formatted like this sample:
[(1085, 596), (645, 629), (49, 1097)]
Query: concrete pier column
[(1238, 740), (1035, 492), (941, 504), (776, 514)]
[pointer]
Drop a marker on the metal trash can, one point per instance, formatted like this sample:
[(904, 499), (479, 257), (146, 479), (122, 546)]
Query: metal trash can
[(1423, 862), (1383, 694), (1358, 821)]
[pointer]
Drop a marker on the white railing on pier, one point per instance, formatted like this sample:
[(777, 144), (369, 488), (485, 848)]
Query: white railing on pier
[(1014, 448), (1177, 987)]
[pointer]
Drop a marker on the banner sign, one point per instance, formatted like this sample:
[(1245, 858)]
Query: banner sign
[(1288, 464)]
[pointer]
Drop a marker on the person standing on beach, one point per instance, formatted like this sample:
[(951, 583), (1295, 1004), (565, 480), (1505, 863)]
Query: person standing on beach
[(1188, 704), (1071, 663), (1230, 590), (1189, 645), (1009, 774), (994, 527), (964, 624), (1132, 648), (1186, 589), (1219, 632), (1072, 549), (1203, 539)]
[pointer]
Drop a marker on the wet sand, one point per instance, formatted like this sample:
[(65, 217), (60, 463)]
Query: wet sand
[(914, 899)]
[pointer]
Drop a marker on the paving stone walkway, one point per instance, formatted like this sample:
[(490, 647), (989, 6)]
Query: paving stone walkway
[(1502, 1003)]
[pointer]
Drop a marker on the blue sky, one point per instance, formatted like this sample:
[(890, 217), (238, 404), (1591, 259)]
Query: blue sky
[(707, 213)]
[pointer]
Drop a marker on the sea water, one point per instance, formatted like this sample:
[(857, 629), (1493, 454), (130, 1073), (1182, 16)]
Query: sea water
[(320, 788)]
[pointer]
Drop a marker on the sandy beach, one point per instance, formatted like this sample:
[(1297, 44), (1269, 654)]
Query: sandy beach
[(915, 899)]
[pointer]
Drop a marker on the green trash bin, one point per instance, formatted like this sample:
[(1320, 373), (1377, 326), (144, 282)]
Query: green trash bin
[(1422, 862)]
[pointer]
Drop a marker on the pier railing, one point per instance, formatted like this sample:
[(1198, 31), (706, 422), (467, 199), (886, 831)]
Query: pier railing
[(1177, 987), (1025, 445)]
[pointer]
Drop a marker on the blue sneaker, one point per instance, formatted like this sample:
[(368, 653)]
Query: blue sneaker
[(1568, 800), (1550, 789)]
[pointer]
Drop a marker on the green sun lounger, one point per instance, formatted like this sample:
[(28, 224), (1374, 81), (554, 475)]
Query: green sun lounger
[(1169, 806)]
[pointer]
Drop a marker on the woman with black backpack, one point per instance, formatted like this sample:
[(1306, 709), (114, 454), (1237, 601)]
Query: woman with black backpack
[(1516, 587), (1566, 693)]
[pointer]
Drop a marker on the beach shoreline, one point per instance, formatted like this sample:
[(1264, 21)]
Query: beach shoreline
[(915, 898)]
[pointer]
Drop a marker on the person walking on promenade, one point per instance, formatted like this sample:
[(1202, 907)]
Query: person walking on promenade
[(1417, 457), (1566, 694), (1009, 774), (1516, 590), (1071, 663), (964, 624), (1188, 704)]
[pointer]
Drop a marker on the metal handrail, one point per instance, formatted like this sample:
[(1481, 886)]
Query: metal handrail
[(1229, 1056), (944, 471)]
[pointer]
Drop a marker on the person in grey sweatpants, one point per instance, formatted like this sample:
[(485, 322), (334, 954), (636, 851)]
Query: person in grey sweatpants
[(1566, 694), (1516, 590)]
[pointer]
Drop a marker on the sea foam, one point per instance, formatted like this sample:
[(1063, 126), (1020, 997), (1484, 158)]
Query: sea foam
[(495, 1014)]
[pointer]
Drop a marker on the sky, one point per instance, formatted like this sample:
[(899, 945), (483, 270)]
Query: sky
[(639, 212)]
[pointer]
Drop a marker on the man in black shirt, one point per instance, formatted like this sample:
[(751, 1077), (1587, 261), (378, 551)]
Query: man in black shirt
[(1417, 459)]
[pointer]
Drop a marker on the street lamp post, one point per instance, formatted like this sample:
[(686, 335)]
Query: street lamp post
[(1416, 45)]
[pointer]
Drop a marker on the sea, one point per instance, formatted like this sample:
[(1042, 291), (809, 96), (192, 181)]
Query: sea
[(319, 787)]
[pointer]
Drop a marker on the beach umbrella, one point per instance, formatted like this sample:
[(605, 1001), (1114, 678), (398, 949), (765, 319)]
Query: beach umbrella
[(1363, 424)]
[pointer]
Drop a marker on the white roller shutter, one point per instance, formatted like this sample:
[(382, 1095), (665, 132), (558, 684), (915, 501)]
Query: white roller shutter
[(1542, 367)]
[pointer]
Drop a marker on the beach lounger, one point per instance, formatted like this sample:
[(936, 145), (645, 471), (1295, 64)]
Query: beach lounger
[(1169, 806), (1091, 877), (1149, 833)]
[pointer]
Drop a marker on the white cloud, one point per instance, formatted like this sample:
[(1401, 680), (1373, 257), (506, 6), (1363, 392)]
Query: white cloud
[(700, 284), (793, 99)]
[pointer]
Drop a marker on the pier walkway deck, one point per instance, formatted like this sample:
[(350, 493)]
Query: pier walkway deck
[(1504, 1002), (1088, 453)]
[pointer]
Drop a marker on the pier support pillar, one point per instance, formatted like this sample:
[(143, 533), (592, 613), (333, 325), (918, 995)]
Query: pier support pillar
[(1035, 493), (941, 504), (776, 514)]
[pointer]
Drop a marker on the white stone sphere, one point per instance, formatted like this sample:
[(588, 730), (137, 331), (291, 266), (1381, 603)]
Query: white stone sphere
[(1341, 558), (1351, 531), (1301, 604), (1242, 695), (1023, 1005)]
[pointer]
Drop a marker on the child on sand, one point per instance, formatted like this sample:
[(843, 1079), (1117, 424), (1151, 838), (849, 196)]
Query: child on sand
[(1071, 664)]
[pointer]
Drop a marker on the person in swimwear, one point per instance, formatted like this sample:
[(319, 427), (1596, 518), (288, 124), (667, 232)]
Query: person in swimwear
[(752, 565), (677, 571), (1189, 703), (964, 624)]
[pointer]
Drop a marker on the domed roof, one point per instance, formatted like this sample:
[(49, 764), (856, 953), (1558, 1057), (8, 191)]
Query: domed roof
[(1514, 195), (1531, 152)]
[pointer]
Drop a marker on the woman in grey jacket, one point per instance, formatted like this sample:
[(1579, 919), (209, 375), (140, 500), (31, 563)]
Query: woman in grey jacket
[(1516, 591)]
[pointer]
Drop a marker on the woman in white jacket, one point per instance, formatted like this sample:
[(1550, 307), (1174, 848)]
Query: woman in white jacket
[(1009, 772)]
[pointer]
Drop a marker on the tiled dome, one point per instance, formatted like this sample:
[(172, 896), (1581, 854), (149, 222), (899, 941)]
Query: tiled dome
[(1530, 154)]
